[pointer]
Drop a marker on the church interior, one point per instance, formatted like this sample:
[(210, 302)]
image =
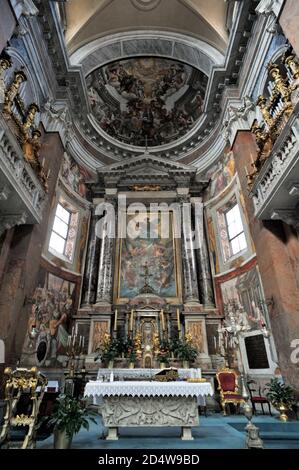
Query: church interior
[(149, 218)]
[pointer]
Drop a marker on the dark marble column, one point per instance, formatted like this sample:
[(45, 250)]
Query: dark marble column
[(202, 255), (89, 289), (188, 254), (106, 259)]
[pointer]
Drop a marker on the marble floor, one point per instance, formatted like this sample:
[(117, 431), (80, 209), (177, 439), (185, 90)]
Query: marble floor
[(215, 432)]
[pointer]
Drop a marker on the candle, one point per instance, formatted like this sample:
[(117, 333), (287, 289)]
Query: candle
[(115, 321), (83, 343), (43, 162), (178, 319), (76, 329), (73, 331), (132, 318), (215, 342), (162, 320), (246, 171), (49, 171)]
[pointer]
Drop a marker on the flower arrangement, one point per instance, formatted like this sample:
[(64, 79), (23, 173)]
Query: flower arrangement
[(108, 350), (163, 353)]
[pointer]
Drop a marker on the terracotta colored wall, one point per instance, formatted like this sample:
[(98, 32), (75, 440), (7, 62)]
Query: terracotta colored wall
[(277, 249), (7, 23), (21, 270), (289, 21)]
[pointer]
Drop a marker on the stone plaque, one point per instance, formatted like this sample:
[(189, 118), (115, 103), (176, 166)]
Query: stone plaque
[(256, 352)]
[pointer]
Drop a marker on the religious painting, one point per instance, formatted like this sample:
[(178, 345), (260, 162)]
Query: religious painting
[(146, 100), (74, 175), (99, 330), (48, 325), (148, 261), (244, 294), (220, 175)]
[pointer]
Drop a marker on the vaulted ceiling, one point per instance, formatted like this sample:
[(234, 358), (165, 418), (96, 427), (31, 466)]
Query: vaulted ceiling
[(90, 19)]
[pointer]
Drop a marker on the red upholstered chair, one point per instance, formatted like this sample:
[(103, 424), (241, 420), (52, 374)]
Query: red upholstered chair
[(257, 397), (228, 386)]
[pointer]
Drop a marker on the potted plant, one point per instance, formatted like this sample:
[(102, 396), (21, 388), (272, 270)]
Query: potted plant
[(163, 354), (281, 396), (69, 415), (107, 352), (130, 352), (186, 352)]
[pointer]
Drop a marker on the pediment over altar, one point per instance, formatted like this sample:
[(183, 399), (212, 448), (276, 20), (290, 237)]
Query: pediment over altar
[(148, 168)]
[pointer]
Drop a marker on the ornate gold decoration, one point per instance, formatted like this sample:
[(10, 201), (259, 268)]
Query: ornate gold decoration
[(146, 187), (13, 90), (280, 86), (21, 381), (33, 109), (5, 64), (264, 107), (290, 60)]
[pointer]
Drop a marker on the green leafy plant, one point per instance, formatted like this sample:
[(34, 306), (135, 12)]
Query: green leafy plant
[(108, 351), (280, 393), (69, 415), (163, 355), (130, 350), (184, 350)]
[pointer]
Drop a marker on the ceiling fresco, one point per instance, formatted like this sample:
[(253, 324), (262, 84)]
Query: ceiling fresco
[(146, 101)]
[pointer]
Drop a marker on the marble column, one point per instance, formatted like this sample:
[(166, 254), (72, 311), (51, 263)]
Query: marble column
[(202, 255), (89, 289), (188, 254), (106, 258)]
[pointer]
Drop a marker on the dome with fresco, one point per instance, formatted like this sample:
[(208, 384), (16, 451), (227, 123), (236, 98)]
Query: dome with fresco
[(146, 101)]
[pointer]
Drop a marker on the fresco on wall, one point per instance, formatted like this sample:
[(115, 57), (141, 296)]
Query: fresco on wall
[(50, 315), (220, 175), (147, 100), (244, 293), (147, 262), (74, 175)]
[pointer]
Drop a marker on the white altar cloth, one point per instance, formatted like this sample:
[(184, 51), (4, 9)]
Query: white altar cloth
[(147, 389)]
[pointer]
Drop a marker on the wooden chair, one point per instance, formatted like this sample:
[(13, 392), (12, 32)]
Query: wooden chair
[(256, 396), (228, 387)]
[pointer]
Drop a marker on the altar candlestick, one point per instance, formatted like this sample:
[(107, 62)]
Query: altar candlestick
[(115, 321), (178, 319)]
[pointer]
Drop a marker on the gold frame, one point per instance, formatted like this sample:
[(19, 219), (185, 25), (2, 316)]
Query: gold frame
[(178, 277), (225, 401)]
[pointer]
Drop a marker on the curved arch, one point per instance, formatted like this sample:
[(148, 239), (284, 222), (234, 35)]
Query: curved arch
[(175, 46)]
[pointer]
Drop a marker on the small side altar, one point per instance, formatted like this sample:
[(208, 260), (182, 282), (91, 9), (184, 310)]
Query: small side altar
[(148, 403)]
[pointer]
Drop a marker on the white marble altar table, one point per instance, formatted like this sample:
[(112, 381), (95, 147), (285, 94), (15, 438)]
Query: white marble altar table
[(131, 404)]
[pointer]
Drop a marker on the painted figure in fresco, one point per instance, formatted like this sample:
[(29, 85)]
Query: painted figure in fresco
[(148, 91), (157, 252), (50, 314)]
